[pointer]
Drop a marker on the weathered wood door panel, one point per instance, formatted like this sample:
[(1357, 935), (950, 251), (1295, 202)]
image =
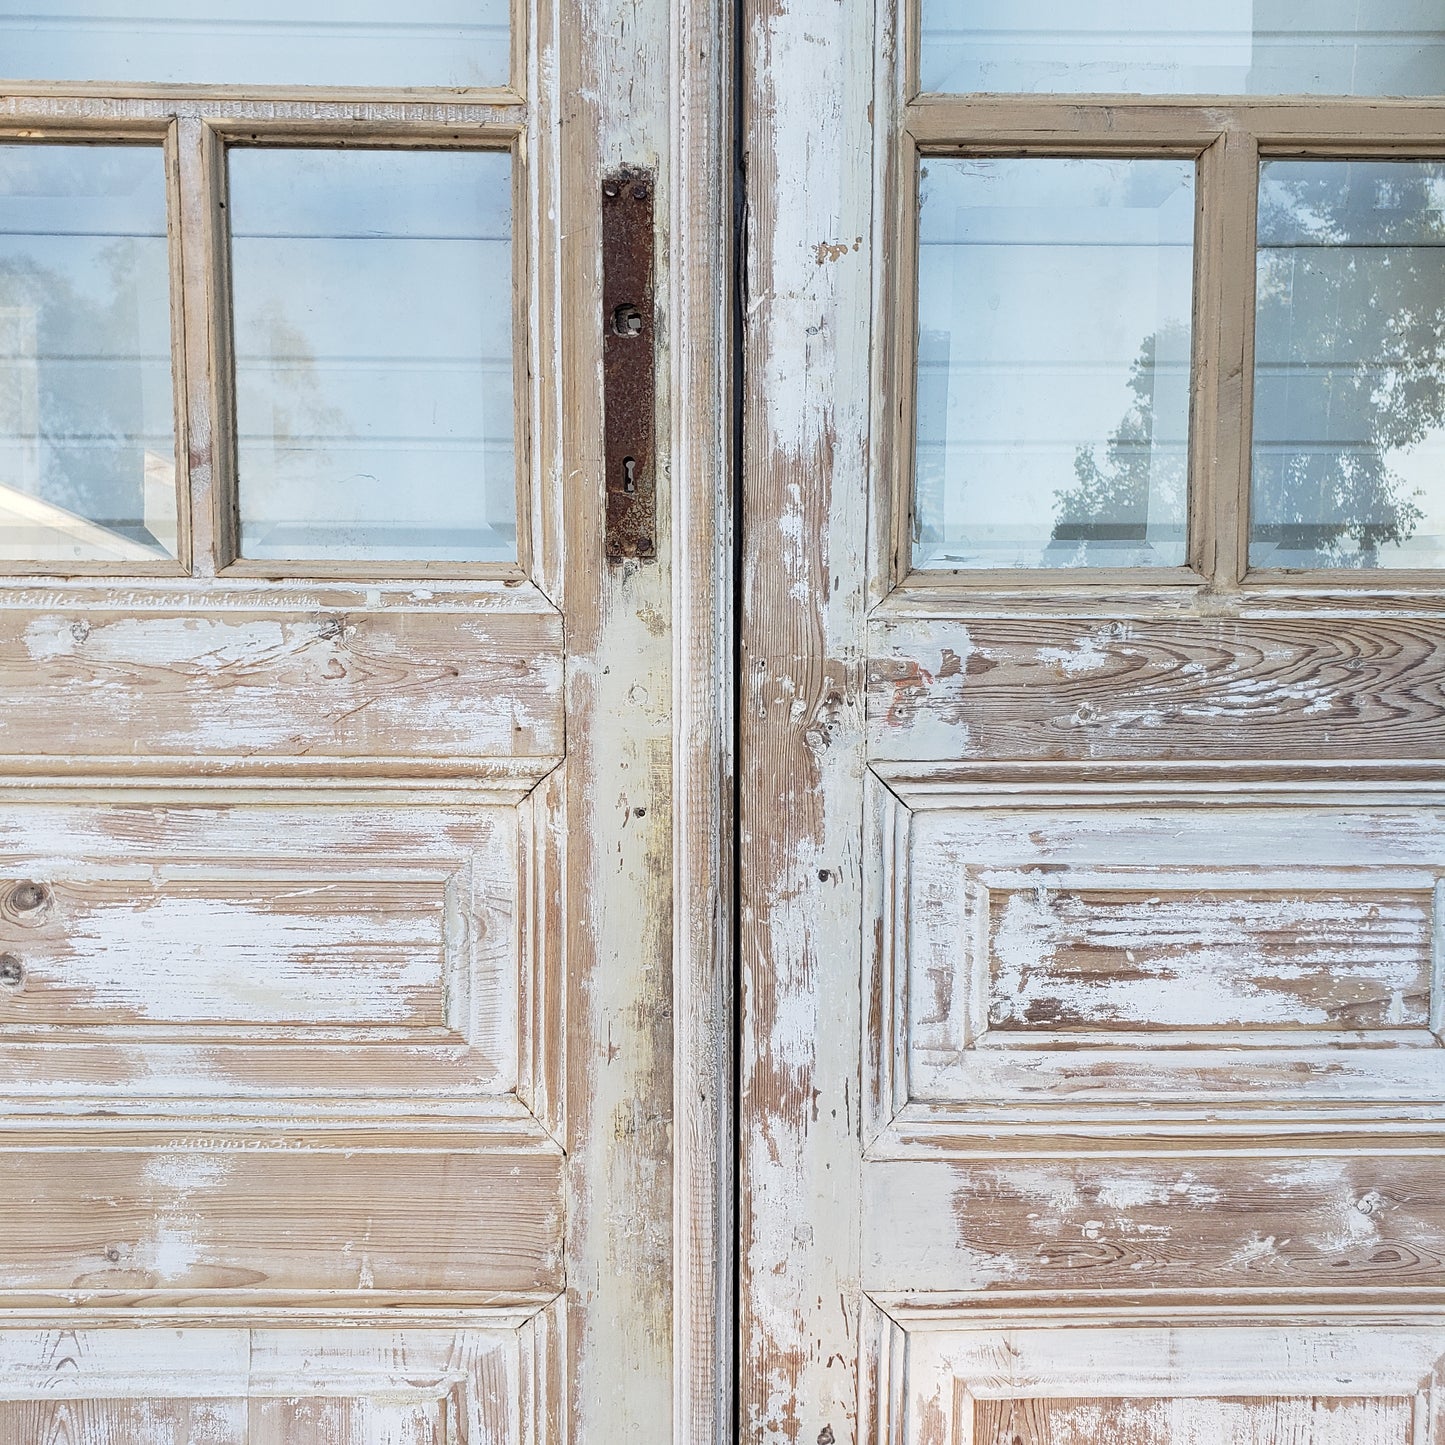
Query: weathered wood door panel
[(1092, 1074), (178, 1386), (340, 852)]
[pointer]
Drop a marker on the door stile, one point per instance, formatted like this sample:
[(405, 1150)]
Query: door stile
[(646, 775), (809, 128)]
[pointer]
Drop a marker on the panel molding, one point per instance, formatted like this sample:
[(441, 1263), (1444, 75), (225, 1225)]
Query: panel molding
[(941, 1074), (497, 1375), (928, 1371), (489, 873)]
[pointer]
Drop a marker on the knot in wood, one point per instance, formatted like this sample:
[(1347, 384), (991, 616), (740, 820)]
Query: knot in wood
[(26, 897), (12, 971)]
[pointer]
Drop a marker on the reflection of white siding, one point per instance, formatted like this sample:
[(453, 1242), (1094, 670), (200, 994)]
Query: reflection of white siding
[(258, 42), (1179, 47), (19, 400), (158, 501), (373, 334), (1040, 281)]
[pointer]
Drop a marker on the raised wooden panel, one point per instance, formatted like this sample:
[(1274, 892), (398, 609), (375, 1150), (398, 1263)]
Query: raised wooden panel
[(119, 1422), (1161, 956), (251, 950), (493, 1383), (274, 950), (304, 689), (1313, 1420), (1190, 953), (346, 1213), (1256, 688), (1027, 1383)]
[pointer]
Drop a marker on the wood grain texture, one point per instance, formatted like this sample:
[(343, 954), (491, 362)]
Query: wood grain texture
[(231, 680), (230, 950), (209, 1386), (1028, 1380), (1194, 952), (289, 1215), (1085, 958), (1069, 1227), (808, 140), (611, 106), (290, 950), (352, 1422), (704, 479), (1205, 687), (124, 1422), (1022, 967), (1121, 125), (1194, 1422), (206, 691)]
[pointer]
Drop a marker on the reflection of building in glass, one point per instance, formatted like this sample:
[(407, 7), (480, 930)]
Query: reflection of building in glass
[(86, 390), (31, 528)]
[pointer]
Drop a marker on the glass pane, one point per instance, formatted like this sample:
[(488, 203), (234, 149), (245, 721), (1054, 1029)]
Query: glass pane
[(87, 430), (1179, 47), (257, 42), (1349, 385), (372, 294), (1054, 302)]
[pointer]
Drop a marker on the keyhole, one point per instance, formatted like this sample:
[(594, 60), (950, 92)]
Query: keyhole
[(629, 474), (627, 321)]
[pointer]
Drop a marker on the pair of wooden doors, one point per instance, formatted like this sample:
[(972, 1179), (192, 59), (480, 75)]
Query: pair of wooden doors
[(380, 939)]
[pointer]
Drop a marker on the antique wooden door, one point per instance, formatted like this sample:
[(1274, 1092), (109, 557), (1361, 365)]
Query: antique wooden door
[(358, 725), (1092, 827)]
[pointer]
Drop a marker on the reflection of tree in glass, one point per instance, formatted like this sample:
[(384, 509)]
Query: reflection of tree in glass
[(1350, 365), (88, 389), (289, 410), (1112, 503)]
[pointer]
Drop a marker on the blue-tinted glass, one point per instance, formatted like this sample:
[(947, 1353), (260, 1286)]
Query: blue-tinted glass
[(373, 43), (1179, 47), (87, 433), (1054, 301), (372, 297), (1349, 387)]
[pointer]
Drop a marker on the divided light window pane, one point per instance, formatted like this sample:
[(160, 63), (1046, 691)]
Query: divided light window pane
[(375, 43), (1054, 306), (372, 303), (1180, 47), (1349, 389), (87, 429)]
